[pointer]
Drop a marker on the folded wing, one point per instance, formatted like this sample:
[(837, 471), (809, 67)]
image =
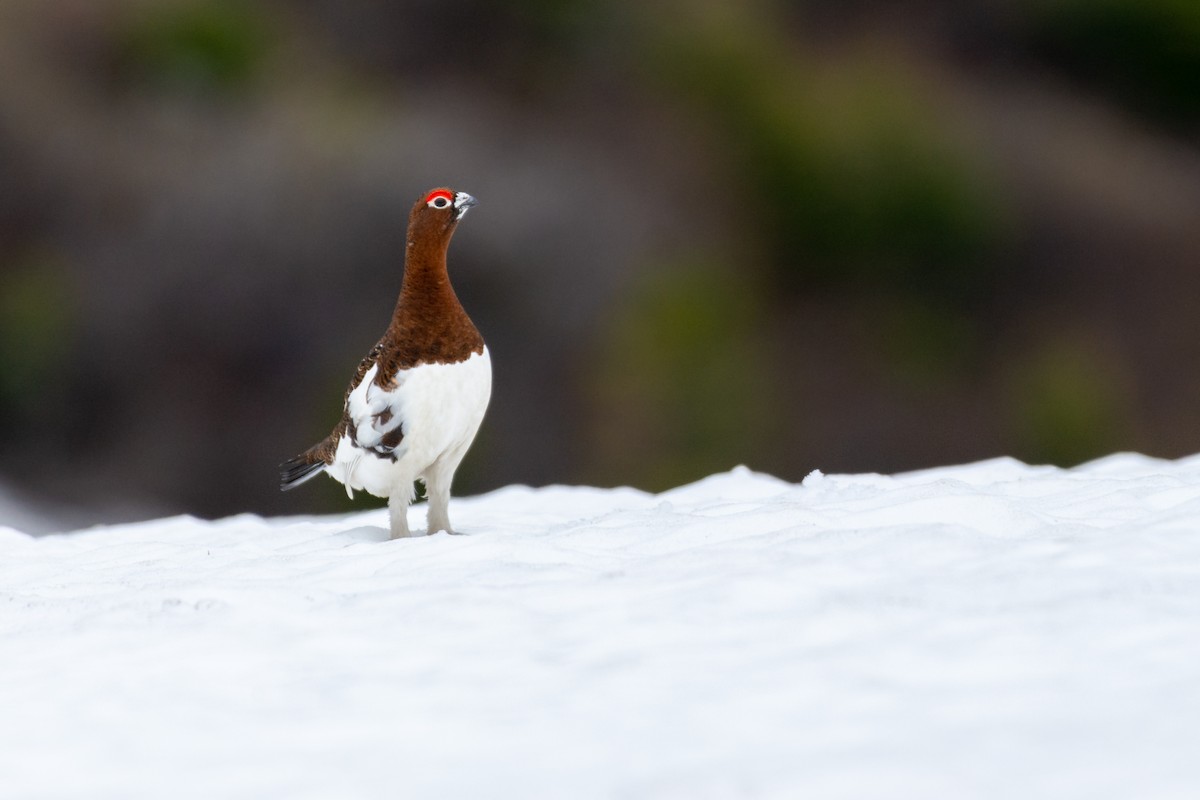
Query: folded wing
[(374, 414)]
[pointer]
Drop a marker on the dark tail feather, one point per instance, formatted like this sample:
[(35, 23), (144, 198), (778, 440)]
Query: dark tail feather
[(296, 471)]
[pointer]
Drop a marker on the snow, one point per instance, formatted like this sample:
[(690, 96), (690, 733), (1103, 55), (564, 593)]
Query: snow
[(991, 630)]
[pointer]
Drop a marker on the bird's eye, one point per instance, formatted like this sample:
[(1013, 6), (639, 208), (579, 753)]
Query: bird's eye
[(439, 198)]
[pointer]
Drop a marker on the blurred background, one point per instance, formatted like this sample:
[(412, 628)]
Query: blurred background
[(853, 236)]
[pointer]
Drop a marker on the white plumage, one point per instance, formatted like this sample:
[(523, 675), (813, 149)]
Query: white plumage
[(419, 396), (438, 408)]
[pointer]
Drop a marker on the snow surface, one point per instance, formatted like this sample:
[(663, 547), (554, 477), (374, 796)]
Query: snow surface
[(984, 631)]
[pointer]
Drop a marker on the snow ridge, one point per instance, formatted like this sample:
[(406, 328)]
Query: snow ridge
[(992, 630)]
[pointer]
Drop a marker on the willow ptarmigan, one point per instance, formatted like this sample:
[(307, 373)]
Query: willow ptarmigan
[(417, 399)]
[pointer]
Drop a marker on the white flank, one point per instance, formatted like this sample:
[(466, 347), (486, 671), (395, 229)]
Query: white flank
[(438, 407)]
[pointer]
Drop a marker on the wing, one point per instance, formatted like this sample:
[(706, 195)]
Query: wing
[(374, 419)]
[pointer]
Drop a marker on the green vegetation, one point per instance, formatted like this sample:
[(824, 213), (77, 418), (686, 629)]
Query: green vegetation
[(848, 180), (205, 46), (36, 313), (928, 346), (1145, 52), (686, 366), (1069, 403)]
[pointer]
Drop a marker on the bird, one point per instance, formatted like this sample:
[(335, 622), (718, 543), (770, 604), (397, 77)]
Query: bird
[(417, 399)]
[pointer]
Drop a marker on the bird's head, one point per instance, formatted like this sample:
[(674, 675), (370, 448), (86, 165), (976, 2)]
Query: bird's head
[(436, 214)]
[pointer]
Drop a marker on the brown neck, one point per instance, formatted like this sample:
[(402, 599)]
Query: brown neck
[(426, 279), (429, 324)]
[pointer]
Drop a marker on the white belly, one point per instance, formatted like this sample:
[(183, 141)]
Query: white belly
[(439, 408)]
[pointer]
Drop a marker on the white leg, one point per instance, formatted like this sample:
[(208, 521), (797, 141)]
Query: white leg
[(439, 509), (437, 484), (398, 511)]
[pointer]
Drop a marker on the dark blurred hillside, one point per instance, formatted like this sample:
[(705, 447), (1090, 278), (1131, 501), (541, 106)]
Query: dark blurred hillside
[(850, 236)]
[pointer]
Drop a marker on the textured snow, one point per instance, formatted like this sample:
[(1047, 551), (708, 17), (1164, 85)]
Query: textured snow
[(988, 631)]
